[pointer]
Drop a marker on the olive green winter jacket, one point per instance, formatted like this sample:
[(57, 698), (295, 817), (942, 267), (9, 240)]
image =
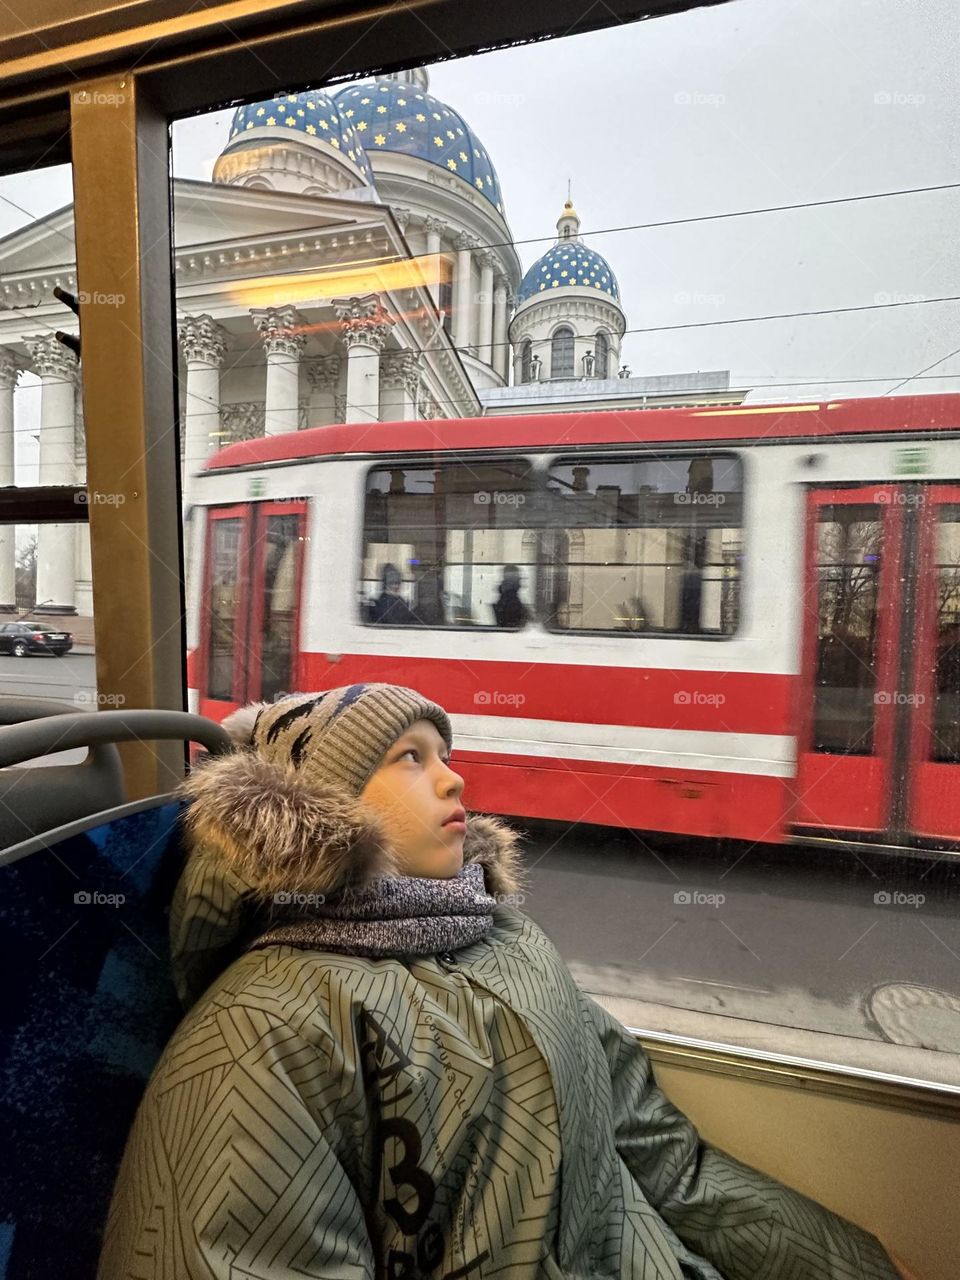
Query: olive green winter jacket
[(470, 1115)]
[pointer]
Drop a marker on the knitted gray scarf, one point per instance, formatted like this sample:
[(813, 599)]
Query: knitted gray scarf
[(392, 916)]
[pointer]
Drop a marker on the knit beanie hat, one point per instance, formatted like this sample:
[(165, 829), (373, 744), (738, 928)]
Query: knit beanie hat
[(339, 735)]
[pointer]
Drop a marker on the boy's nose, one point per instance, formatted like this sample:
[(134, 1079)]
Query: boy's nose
[(452, 783)]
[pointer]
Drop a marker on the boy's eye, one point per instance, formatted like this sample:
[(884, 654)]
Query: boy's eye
[(414, 752)]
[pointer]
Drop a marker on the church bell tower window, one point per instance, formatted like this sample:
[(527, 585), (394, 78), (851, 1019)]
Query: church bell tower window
[(602, 350), (561, 354)]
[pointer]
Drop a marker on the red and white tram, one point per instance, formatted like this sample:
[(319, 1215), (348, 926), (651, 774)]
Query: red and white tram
[(738, 622)]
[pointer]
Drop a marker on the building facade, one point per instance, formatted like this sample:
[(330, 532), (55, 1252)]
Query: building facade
[(349, 260)]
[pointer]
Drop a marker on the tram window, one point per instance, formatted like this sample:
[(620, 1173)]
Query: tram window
[(849, 549), (449, 546), (645, 545), (946, 717), (281, 534), (223, 595)]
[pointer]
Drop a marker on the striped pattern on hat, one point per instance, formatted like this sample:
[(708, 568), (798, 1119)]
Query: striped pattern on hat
[(341, 735)]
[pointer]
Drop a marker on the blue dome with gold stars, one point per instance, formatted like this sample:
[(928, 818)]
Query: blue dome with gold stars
[(393, 115), (569, 262), (313, 115)]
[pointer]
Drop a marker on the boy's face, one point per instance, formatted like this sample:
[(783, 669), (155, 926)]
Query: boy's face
[(413, 795)]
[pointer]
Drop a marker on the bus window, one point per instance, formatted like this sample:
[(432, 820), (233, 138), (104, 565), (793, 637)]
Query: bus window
[(449, 545), (650, 545)]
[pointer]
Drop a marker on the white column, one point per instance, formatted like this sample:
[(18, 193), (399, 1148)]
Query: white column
[(56, 543), (282, 331), (10, 368), (399, 376), (501, 347), (204, 344), (84, 573), (324, 376), (485, 338), (364, 323), (462, 291), (434, 229)]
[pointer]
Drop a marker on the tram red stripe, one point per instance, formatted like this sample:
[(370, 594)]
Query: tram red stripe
[(648, 697), (690, 802)]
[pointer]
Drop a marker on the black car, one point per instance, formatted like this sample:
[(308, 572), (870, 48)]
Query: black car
[(22, 638)]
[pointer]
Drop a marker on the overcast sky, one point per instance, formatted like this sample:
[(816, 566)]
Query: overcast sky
[(745, 105)]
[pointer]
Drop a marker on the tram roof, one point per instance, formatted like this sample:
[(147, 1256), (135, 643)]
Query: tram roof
[(881, 415)]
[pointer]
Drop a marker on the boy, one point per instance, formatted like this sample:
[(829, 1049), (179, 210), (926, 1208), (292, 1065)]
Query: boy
[(387, 1072)]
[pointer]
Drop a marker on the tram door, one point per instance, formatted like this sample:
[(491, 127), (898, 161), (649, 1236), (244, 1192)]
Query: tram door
[(249, 643), (879, 742)]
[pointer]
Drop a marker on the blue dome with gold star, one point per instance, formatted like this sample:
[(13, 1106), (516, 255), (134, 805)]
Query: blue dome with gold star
[(393, 115), (569, 262), (311, 115)]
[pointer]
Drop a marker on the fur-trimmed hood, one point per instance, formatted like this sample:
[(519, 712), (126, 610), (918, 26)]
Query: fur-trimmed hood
[(255, 829)]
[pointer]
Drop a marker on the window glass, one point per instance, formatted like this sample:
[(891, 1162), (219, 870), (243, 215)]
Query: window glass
[(849, 546), (449, 546), (280, 583), (372, 305), (645, 545), (47, 641), (561, 354), (946, 734), (602, 354), (226, 578)]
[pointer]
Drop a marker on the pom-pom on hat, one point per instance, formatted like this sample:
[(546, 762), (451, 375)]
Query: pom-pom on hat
[(338, 735)]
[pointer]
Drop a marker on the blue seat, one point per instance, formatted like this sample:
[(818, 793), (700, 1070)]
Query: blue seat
[(88, 1006)]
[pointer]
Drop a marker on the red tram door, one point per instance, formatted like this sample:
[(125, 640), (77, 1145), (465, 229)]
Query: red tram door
[(878, 740), (250, 627), (934, 780)]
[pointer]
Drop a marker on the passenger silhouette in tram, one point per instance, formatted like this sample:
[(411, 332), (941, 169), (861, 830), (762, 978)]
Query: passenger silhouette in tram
[(430, 599), (691, 590), (509, 610), (390, 608)]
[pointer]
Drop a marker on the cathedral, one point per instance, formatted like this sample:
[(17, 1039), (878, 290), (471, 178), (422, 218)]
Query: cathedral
[(350, 260)]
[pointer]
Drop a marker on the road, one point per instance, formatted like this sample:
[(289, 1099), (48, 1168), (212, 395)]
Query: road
[(753, 934), (800, 938), (71, 678)]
